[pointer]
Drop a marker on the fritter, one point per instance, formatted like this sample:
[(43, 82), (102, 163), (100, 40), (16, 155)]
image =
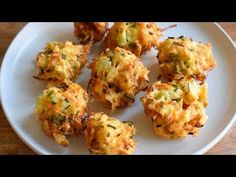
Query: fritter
[(138, 37), (62, 112), (61, 62), (177, 109), (183, 57), (106, 135), (117, 76), (90, 31)]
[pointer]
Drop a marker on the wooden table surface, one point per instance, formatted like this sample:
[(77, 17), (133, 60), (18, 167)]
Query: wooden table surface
[(10, 143)]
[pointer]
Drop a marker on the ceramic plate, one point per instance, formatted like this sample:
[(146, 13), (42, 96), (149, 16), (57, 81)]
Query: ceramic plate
[(19, 90)]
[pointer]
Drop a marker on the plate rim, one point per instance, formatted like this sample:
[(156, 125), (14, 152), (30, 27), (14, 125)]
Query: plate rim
[(201, 151)]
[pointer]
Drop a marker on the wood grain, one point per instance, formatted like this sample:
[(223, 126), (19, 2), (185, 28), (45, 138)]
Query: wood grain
[(10, 143)]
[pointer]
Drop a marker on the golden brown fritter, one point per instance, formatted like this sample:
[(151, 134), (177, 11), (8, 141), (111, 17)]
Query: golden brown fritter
[(182, 57), (62, 111), (117, 75), (90, 31), (61, 62), (106, 135), (177, 109), (138, 37)]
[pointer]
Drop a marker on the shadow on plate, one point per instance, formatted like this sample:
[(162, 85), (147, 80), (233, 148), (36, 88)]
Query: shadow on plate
[(38, 139)]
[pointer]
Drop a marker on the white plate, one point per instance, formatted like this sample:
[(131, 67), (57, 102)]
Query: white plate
[(19, 91)]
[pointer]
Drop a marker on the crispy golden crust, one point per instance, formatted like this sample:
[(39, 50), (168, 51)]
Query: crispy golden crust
[(90, 31), (117, 75), (177, 109), (136, 37), (182, 57), (61, 62), (107, 135), (62, 112)]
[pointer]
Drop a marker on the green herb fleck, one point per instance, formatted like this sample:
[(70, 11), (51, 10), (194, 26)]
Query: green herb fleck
[(50, 93), (177, 99), (133, 26), (67, 107), (111, 126), (177, 68), (63, 56), (58, 120), (123, 54), (129, 96), (188, 87), (187, 64), (191, 49), (129, 123), (175, 87), (173, 55), (178, 44)]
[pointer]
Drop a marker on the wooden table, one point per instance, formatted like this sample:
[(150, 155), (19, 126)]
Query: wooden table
[(10, 143)]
